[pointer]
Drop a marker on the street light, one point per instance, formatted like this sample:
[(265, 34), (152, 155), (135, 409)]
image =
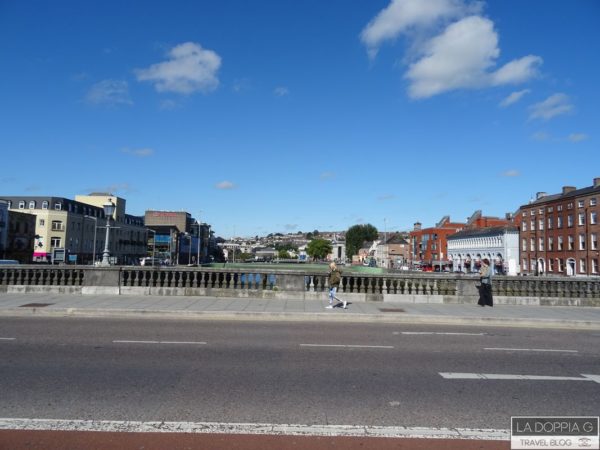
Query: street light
[(95, 219), (109, 209)]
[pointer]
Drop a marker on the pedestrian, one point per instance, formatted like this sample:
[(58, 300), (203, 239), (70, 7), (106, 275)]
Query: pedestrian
[(485, 290), (334, 280)]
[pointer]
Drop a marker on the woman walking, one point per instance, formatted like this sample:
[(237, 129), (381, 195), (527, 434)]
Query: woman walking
[(334, 280)]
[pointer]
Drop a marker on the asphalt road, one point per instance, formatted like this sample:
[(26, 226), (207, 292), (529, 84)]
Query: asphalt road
[(292, 373)]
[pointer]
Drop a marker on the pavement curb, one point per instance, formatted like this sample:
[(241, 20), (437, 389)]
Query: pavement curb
[(339, 317)]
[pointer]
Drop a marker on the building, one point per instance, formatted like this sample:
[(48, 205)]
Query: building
[(3, 227), (177, 238), (428, 245), (499, 244), (559, 232), (21, 237), (394, 252), (74, 230)]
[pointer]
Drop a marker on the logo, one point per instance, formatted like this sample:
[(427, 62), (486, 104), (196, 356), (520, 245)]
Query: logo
[(569, 432)]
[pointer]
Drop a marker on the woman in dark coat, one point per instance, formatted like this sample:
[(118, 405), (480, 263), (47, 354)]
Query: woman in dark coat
[(485, 290)]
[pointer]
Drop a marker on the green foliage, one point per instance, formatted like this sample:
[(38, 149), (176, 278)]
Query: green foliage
[(283, 254), (318, 248), (357, 235)]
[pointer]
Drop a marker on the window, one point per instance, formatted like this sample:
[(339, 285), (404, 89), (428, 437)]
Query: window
[(550, 265), (559, 263), (571, 243), (550, 223), (57, 206), (524, 225), (541, 211), (524, 245), (42, 222), (594, 241), (532, 244), (524, 214), (32, 205), (581, 218), (559, 208), (532, 227), (582, 242), (57, 225), (570, 220), (580, 204), (21, 204), (532, 265), (45, 204), (592, 202), (550, 244), (595, 266), (560, 243), (524, 264), (550, 209), (54, 241), (581, 265), (593, 218), (559, 222), (569, 205), (541, 244), (541, 224), (532, 213)]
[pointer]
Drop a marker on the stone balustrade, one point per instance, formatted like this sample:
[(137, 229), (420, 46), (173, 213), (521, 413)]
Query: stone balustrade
[(295, 284)]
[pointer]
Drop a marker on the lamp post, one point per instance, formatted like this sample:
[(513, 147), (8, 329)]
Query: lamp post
[(199, 240), (189, 236), (95, 219), (109, 209), (148, 230)]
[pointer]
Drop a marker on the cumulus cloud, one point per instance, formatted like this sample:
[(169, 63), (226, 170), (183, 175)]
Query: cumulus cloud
[(109, 92), (225, 185), (189, 69), (514, 98), (281, 91), (578, 137), (462, 56), (139, 152), (555, 105)]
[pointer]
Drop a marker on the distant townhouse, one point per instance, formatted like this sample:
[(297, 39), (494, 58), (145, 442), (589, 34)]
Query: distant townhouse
[(559, 232), (393, 252), (428, 245)]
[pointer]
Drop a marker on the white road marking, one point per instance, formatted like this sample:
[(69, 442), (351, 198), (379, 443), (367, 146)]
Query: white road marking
[(7, 339), (497, 376), (160, 342), (530, 350), (254, 428), (444, 334), (346, 346)]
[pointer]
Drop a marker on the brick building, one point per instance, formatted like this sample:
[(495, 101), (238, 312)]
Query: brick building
[(428, 245), (559, 232)]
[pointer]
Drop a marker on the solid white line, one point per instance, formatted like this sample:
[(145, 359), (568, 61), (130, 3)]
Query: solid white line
[(7, 339), (254, 428), (444, 334), (497, 376), (346, 346), (530, 350), (159, 342)]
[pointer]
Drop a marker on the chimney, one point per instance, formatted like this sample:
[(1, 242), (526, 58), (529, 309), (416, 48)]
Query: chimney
[(540, 195), (567, 189), (596, 182), (417, 226)]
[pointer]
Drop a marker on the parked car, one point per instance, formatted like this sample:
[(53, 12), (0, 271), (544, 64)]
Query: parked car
[(150, 261), (9, 261)]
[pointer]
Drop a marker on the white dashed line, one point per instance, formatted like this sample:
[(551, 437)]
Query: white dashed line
[(498, 376), (160, 342), (7, 339), (529, 350), (443, 334), (346, 346)]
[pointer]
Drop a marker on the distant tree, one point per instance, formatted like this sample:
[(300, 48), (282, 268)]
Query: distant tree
[(315, 233), (318, 248), (357, 235), (309, 236), (246, 256), (283, 254)]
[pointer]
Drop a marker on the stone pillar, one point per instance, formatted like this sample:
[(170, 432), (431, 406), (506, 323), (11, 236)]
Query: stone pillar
[(102, 280)]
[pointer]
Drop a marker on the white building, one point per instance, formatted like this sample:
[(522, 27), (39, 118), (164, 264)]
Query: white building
[(500, 245)]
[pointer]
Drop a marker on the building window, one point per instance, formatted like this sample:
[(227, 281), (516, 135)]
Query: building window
[(595, 266), (582, 265), (550, 265), (524, 245), (57, 225), (541, 224), (550, 223), (532, 227), (532, 265), (592, 202), (570, 220), (571, 243), (550, 244), (559, 222), (594, 241), (32, 205), (559, 262), (581, 218), (550, 209), (54, 241), (525, 264), (541, 244), (532, 213), (44, 204), (532, 244), (593, 218), (21, 204), (57, 206), (569, 205), (524, 225), (580, 204), (560, 243), (42, 222), (559, 208), (541, 211), (582, 242)]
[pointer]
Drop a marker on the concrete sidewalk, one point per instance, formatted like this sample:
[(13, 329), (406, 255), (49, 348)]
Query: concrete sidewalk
[(213, 308)]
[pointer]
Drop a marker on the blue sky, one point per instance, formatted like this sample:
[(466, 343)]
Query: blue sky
[(283, 116)]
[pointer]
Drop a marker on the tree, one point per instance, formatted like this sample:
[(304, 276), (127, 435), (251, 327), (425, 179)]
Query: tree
[(318, 248), (357, 235)]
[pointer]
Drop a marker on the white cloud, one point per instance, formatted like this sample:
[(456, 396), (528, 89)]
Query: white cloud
[(578, 137), (225, 185), (553, 106), (139, 152), (281, 91), (540, 136), (403, 15), (461, 58), (109, 92), (514, 98), (327, 176), (511, 173), (386, 197), (189, 69)]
